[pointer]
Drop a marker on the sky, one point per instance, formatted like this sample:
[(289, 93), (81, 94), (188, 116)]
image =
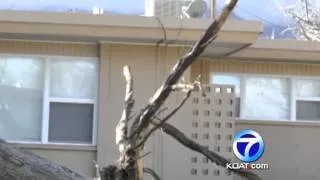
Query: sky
[(269, 11), (130, 6)]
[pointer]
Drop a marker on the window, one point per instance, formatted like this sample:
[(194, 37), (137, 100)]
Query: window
[(263, 97), (307, 99), (48, 99)]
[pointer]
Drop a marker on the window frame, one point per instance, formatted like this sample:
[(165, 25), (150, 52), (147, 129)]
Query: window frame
[(44, 137), (292, 94)]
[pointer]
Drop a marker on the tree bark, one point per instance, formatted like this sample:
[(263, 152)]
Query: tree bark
[(20, 165), (16, 164)]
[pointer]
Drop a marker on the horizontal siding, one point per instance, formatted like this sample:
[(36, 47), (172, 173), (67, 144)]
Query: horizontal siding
[(206, 67), (49, 48)]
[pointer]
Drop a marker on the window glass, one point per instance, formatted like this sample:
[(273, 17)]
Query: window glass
[(266, 98), (22, 81), (307, 88), (70, 122), (21, 92), (73, 78), (308, 110)]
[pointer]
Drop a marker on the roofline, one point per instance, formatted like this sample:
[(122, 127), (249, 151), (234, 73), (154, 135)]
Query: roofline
[(124, 21), (281, 50), (296, 45)]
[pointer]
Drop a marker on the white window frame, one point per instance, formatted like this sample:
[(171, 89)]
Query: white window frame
[(47, 99), (292, 95)]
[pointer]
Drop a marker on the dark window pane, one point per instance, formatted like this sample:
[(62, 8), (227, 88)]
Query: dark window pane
[(308, 110), (70, 122)]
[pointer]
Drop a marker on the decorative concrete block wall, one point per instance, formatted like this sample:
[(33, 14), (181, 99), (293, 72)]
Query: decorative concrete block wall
[(209, 120)]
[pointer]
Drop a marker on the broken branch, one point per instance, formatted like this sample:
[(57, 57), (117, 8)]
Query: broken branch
[(184, 87), (122, 127), (155, 127), (152, 173), (19, 164), (183, 63), (190, 144)]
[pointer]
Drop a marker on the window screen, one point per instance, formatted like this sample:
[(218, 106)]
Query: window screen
[(308, 110), (70, 122)]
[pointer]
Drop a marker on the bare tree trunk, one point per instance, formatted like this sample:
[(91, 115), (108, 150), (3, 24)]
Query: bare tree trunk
[(16, 164)]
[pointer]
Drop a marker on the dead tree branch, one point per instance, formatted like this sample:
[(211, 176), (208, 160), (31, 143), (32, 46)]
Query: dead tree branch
[(122, 127), (183, 63), (155, 127), (152, 173), (14, 163), (180, 87), (18, 164), (214, 157), (139, 129)]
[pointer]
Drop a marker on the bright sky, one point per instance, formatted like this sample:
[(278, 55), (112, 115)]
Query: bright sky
[(266, 10), (116, 5)]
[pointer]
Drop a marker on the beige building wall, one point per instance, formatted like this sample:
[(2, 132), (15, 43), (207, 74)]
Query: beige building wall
[(77, 158), (49, 48), (283, 152), (149, 65), (290, 149), (207, 67), (80, 160)]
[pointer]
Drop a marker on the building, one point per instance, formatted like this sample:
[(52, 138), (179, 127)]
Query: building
[(62, 90), (165, 8)]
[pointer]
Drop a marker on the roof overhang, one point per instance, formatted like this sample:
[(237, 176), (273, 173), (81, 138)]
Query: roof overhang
[(235, 35), (281, 51)]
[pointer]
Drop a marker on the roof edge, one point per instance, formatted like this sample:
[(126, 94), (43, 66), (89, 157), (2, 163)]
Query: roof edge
[(125, 21)]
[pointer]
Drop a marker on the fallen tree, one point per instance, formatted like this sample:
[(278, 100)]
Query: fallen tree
[(17, 164), (132, 135)]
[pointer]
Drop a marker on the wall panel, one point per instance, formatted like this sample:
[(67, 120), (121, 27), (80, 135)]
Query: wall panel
[(206, 67), (48, 48)]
